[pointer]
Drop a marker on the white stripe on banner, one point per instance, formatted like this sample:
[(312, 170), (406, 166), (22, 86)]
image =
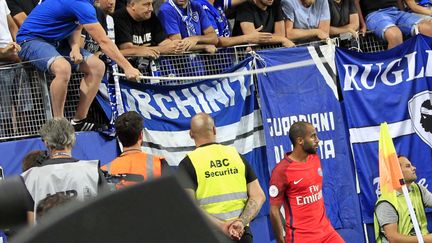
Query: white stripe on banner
[(320, 66), (243, 145), (329, 52), (245, 135), (371, 134)]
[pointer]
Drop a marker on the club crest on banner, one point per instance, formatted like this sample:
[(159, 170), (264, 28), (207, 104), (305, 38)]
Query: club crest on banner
[(420, 111)]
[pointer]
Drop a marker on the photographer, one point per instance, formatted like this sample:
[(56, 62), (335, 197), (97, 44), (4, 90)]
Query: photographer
[(61, 173)]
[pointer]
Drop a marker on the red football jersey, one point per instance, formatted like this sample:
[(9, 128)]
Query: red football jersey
[(298, 186)]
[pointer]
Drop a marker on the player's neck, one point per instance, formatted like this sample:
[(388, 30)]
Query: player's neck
[(200, 142), (135, 147), (298, 155), (211, 2)]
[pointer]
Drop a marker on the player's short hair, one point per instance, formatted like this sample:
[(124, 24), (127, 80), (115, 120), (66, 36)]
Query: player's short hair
[(128, 127), (297, 129)]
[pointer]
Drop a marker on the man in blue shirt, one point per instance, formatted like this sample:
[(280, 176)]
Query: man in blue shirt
[(50, 36), (186, 20), (306, 19)]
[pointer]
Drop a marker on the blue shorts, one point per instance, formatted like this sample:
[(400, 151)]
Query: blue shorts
[(379, 21), (42, 53)]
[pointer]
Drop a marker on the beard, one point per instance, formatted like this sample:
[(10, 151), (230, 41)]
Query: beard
[(309, 149)]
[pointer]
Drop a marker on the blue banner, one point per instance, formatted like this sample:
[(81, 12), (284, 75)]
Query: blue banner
[(393, 87), (305, 90)]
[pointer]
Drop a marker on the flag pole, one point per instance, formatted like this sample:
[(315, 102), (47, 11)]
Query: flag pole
[(412, 213)]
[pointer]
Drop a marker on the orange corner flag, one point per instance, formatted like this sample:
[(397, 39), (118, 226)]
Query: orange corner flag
[(390, 173)]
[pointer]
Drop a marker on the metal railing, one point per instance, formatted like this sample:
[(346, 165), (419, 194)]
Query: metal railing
[(24, 92), (24, 101)]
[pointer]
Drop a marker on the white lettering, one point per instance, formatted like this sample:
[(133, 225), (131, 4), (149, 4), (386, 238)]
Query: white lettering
[(368, 68), (137, 40), (331, 119), (229, 91), (280, 126), (327, 149), (428, 72), (172, 113), (397, 74), (350, 77), (279, 153), (358, 77), (130, 101), (207, 98), (423, 182), (315, 121), (144, 106), (213, 94), (243, 88), (304, 200), (269, 121), (182, 104), (285, 125), (201, 100), (277, 126), (411, 59)]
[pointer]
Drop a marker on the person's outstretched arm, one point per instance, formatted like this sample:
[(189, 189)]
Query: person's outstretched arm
[(108, 47)]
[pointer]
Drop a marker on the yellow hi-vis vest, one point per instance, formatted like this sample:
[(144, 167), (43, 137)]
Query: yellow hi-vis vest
[(221, 177), (405, 226)]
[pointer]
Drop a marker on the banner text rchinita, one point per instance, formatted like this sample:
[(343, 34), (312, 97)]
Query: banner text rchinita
[(207, 97)]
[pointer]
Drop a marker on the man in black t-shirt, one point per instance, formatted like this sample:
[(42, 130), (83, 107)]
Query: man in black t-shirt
[(139, 32), (266, 13), (20, 9), (343, 17)]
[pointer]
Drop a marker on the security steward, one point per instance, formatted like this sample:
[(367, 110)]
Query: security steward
[(221, 181), (133, 162)]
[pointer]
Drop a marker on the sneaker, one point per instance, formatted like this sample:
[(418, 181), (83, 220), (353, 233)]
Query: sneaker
[(86, 125)]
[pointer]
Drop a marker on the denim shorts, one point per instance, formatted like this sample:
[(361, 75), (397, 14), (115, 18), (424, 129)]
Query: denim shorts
[(43, 53), (379, 21)]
